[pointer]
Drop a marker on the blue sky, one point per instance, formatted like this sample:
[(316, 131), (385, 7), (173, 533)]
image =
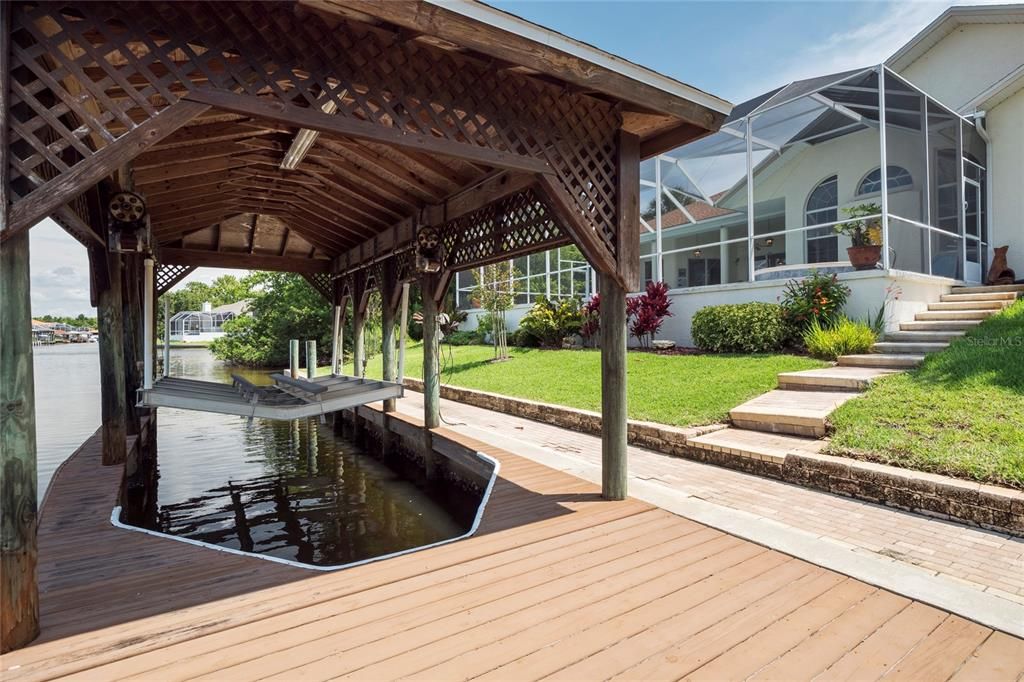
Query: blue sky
[(735, 50)]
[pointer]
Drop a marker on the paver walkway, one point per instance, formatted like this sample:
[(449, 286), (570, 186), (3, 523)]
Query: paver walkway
[(989, 562)]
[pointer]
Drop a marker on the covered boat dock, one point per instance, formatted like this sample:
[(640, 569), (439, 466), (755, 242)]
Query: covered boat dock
[(363, 145)]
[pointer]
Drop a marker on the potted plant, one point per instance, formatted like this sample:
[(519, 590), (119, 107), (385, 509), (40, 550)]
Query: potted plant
[(865, 233)]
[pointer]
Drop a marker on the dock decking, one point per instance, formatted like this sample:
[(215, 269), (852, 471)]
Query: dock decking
[(557, 583)]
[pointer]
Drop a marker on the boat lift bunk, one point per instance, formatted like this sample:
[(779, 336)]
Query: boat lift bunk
[(287, 398)]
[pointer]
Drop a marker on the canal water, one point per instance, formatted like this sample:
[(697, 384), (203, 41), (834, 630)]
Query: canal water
[(289, 489)]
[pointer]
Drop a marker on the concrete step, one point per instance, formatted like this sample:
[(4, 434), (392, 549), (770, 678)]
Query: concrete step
[(1008, 296), (923, 337), (939, 325), (755, 444), (831, 379), (954, 315), (915, 348), (1003, 288), (798, 413), (969, 305), (885, 360)]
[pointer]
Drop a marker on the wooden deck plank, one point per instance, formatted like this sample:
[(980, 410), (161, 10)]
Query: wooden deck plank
[(558, 582)]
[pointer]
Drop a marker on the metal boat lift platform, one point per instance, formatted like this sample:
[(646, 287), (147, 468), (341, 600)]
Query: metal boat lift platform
[(287, 398)]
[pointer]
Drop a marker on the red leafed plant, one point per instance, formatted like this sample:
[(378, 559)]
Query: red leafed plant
[(591, 319), (648, 312)]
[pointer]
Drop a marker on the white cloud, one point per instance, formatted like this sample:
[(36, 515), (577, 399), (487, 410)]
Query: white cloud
[(59, 267), (885, 28)]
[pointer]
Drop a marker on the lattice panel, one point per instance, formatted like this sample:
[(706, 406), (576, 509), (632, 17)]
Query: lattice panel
[(85, 74), (322, 282), (517, 224), (169, 275)]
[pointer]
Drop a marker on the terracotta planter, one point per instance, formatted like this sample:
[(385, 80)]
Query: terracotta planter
[(864, 257)]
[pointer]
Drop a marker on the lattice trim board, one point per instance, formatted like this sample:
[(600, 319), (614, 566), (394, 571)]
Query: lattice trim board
[(85, 75), (169, 275)]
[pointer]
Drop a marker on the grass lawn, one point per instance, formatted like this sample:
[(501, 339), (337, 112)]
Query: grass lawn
[(683, 390), (961, 413)]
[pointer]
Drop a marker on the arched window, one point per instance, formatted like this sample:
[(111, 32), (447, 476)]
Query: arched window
[(822, 207), (872, 182)]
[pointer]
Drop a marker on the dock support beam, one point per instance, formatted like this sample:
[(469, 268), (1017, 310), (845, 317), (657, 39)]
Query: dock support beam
[(613, 389), (403, 328), (167, 337), (337, 358), (293, 358), (19, 592), (431, 369), (387, 324), (310, 359), (113, 398), (358, 337), (148, 316)]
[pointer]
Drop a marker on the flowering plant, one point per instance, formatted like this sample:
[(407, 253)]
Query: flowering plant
[(815, 297), (866, 230)]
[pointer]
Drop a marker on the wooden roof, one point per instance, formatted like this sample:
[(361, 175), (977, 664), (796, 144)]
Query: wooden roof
[(418, 110)]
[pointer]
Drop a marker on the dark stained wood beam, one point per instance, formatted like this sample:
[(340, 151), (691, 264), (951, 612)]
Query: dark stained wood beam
[(339, 125), (564, 207), (44, 200), (243, 261), (436, 20), (670, 139)]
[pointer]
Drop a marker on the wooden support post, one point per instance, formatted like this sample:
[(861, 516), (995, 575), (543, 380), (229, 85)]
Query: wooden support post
[(403, 328), (19, 590), (148, 317), (113, 402), (167, 337), (310, 359), (293, 358), (431, 370), (387, 323), (129, 281), (613, 388), (19, 594), (358, 338), (335, 340)]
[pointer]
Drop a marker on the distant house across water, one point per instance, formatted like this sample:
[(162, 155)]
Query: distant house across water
[(206, 324)]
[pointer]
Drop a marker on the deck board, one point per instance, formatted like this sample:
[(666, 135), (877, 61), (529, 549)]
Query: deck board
[(557, 583)]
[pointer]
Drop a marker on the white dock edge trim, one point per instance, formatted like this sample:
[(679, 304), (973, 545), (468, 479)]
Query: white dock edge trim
[(115, 521)]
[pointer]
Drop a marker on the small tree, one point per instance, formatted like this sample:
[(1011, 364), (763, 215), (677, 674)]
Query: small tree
[(495, 292)]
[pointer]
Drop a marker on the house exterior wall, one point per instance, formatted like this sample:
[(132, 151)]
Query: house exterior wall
[(959, 68), (967, 62), (201, 337), (1005, 125)]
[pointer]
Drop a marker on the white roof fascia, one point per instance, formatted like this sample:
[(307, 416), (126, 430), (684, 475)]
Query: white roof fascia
[(558, 41)]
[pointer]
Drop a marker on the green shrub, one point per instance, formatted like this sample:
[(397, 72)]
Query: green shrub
[(547, 322), (462, 338), (815, 297), (846, 337), (739, 328)]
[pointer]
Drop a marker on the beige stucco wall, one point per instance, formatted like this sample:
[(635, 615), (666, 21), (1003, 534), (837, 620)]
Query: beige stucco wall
[(967, 62), (1005, 124), (956, 70)]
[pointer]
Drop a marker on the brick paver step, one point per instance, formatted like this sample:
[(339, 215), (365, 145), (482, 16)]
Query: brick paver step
[(989, 296), (913, 347), (831, 378), (924, 336), (1003, 288), (969, 305), (799, 413), (938, 325), (886, 360), (954, 315), (756, 444)]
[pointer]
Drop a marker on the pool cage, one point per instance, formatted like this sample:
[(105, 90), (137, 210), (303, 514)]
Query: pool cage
[(760, 198), (197, 322), (556, 274)]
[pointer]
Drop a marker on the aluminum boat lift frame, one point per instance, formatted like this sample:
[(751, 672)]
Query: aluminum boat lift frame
[(287, 398)]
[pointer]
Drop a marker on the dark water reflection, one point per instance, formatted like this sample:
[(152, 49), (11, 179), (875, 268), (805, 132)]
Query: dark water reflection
[(290, 489)]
